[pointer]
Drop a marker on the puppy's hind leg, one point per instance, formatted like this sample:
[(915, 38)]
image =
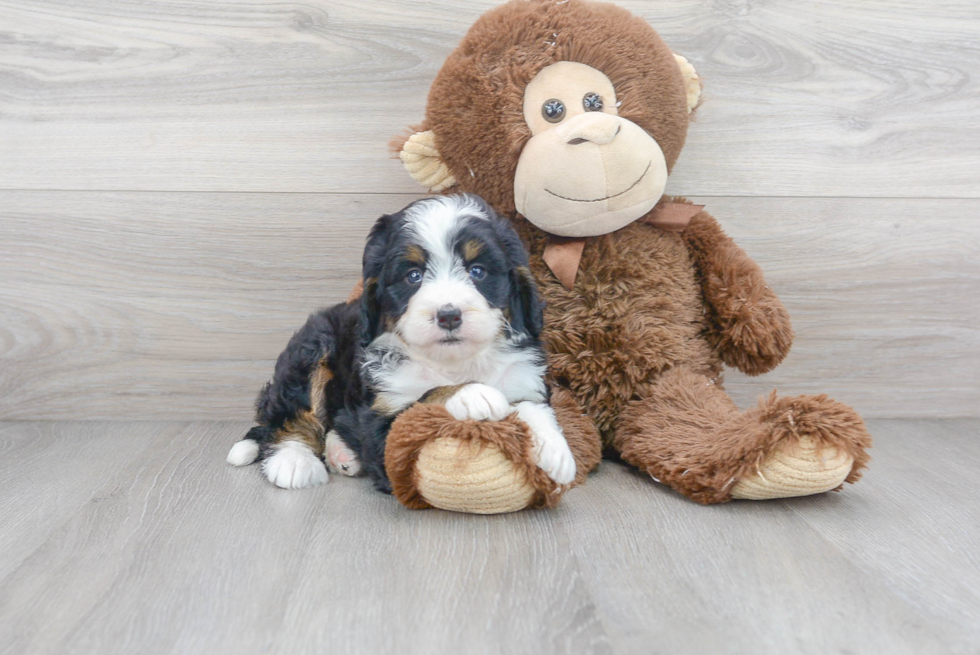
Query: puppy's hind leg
[(292, 461), (291, 410), (363, 431), (340, 457), (246, 451)]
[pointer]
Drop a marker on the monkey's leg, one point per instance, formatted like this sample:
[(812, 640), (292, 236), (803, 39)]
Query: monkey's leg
[(687, 433)]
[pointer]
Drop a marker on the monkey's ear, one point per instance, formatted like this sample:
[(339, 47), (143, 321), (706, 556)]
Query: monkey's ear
[(692, 82), (423, 163)]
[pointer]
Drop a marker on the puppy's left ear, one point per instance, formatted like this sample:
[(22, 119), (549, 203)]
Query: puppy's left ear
[(526, 308)]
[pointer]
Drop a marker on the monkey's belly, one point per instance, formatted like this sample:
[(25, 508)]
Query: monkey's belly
[(627, 320)]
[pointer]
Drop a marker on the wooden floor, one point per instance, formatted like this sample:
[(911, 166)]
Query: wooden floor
[(138, 538)]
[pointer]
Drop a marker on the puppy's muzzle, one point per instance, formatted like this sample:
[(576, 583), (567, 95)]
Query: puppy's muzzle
[(449, 318)]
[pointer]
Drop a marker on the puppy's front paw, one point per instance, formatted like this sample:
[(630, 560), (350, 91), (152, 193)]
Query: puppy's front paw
[(550, 450), (478, 402), (552, 455), (294, 466), (340, 458)]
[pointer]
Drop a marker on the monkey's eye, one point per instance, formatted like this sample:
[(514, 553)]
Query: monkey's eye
[(553, 110), (592, 102), (478, 272), (414, 276)]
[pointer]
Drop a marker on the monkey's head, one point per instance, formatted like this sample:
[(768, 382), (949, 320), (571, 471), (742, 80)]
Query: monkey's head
[(570, 114)]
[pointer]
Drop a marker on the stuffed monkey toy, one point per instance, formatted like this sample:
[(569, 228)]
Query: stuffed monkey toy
[(567, 117)]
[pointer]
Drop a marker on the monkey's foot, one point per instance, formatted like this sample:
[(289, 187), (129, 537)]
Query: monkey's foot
[(821, 443), (802, 468)]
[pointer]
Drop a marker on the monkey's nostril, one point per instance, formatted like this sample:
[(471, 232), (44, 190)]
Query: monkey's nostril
[(575, 142)]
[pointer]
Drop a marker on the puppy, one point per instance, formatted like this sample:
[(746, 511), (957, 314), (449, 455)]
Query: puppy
[(449, 314)]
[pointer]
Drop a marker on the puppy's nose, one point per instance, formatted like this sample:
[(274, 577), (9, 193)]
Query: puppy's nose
[(449, 317)]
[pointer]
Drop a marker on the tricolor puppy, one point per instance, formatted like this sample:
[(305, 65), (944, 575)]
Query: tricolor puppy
[(449, 314)]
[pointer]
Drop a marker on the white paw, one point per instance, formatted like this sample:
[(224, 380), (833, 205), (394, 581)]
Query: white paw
[(340, 458), (478, 402), (552, 456), (243, 452), (551, 451), (294, 466)]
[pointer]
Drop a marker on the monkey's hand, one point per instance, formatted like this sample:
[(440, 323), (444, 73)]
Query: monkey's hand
[(748, 325)]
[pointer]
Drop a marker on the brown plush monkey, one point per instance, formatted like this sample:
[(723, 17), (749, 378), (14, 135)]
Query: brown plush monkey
[(567, 117)]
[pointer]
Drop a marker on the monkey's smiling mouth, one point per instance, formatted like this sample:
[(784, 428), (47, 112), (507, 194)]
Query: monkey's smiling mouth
[(615, 195)]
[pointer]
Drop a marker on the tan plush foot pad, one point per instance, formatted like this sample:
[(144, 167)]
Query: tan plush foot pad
[(799, 468), (485, 467), (463, 476)]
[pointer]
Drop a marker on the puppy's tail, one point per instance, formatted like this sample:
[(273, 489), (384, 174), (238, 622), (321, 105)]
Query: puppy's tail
[(247, 450)]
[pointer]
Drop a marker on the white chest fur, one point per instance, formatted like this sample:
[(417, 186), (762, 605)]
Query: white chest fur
[(400, 378)]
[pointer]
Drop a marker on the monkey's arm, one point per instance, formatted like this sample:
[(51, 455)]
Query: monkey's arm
[(748, 325)]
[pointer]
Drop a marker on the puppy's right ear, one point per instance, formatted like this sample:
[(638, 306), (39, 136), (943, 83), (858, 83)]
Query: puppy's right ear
[(372, 272)]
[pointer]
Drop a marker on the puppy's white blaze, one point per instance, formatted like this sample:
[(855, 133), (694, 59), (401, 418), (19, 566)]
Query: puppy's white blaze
[(480, 327), (435, 222), (294, 466), (243, 452), (551, 451)]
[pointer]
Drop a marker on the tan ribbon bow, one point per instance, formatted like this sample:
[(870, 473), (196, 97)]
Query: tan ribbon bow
[(563, 254)]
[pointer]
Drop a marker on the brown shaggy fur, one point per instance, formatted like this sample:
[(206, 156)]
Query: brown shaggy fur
[(422, 423), (684, 406), (640, 339)]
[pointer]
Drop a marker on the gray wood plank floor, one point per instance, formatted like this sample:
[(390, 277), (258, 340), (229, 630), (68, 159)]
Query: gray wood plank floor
[(137, 538)]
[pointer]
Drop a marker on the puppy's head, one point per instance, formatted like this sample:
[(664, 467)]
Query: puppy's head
[(449, 277)]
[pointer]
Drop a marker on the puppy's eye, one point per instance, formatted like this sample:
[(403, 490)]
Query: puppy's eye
[(592, 102), (553, 110), (478, 272), (414, 276)]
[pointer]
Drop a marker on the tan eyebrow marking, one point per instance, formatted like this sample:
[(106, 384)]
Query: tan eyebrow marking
[(415, 255), (471, 249)]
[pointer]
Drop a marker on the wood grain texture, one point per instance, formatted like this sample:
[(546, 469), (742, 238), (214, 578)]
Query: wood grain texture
[(175, 305), (834, 98), (55, 471), (875, 575), (894, 531), (163, 548), (185, 554)]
